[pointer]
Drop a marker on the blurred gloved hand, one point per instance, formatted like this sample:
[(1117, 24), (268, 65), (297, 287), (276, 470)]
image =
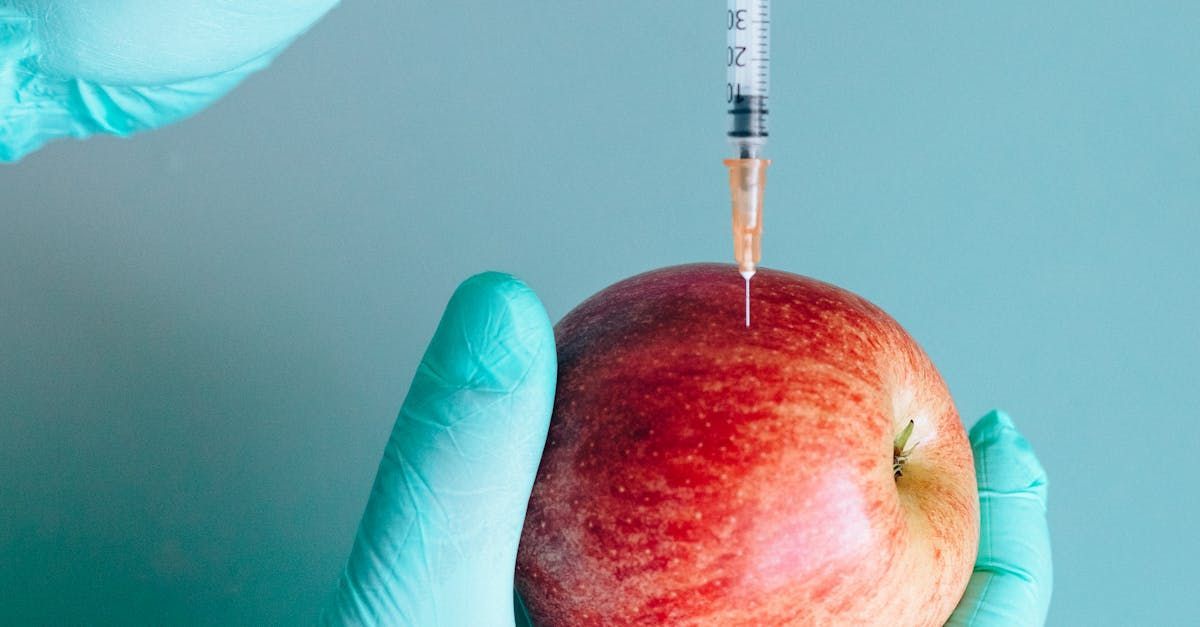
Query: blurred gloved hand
[(438, 542), (71, 69)]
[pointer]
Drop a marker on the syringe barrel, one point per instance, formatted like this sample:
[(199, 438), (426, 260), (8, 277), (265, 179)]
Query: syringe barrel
[(747, 182), (747, 62)]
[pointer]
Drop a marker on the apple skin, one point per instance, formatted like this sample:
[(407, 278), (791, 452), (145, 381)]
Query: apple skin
[(698, 472)]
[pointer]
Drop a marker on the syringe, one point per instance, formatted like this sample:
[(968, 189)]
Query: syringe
[(747, 59)]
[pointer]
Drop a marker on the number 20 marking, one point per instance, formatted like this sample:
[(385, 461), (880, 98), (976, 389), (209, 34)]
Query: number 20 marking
[(734, 56)]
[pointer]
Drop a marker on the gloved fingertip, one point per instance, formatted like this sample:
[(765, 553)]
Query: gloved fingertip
[(494, 334), (1004, 460), (493, 278), (493, 285), (995, 419), (1013, 577)]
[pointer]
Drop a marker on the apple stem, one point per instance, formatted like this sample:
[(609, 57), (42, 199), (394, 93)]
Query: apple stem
[(899, 452)]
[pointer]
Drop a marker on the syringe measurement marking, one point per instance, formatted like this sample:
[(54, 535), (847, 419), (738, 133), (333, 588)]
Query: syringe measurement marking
[(737, 22)]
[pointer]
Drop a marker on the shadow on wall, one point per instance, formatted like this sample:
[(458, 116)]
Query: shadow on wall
[(168, 436)]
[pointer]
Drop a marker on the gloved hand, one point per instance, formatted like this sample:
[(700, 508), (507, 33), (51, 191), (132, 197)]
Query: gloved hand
[(1013, 578), (438, 542), (71, 69)]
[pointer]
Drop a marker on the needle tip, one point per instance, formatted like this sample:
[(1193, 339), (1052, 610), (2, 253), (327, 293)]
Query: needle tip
[(747, 276)]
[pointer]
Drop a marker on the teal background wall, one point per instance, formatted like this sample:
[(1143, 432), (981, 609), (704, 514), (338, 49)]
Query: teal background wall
[(206, 332)]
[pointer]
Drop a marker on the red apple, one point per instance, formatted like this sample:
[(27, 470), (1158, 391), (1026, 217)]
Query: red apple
[(699, 472)]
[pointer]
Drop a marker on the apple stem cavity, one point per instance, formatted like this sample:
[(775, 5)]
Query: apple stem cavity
[(899, 452)]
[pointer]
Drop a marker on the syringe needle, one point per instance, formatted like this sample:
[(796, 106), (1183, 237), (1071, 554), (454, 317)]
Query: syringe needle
[(747, 276)]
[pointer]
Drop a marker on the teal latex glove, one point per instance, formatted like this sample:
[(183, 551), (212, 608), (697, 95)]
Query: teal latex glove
[(72, 69), (438, 542), (1013, 578)]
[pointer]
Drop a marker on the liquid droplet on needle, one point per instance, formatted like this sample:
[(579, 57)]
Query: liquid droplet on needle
[(747, 274)]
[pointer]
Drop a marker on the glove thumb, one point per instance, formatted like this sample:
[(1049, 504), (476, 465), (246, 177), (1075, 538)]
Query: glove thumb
[(438, 541)]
